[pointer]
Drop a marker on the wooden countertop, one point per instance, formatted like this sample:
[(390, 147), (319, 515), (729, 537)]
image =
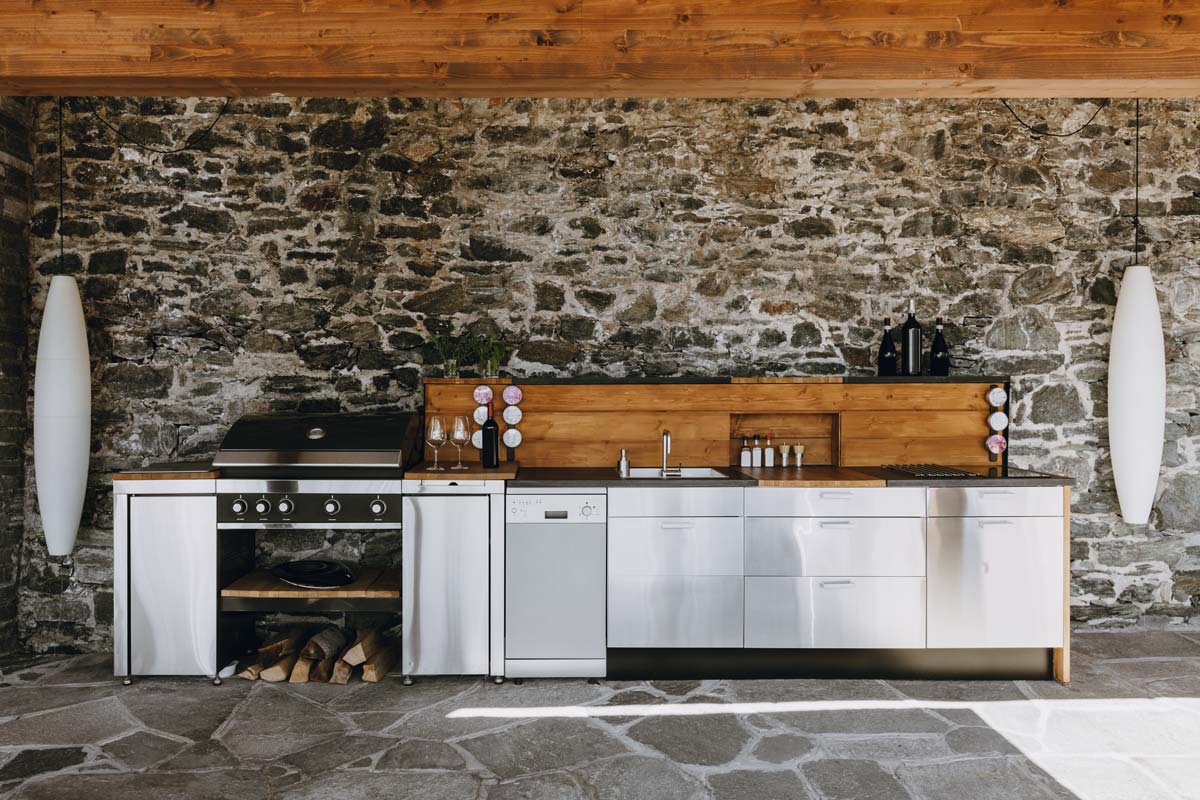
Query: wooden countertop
[(812, 477), (507, 471), (182, 471)]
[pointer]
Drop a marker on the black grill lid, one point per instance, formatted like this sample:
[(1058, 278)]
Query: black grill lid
[(320, 440)]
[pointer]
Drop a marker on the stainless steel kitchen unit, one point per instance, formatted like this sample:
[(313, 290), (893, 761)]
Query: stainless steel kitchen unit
[(453, 578), (555, 584)]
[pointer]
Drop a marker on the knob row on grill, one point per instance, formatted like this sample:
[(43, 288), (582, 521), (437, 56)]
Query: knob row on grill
[(286, 506)]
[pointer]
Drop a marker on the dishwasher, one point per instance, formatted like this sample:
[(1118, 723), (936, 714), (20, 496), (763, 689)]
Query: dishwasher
[(555, 581), (452, 582)]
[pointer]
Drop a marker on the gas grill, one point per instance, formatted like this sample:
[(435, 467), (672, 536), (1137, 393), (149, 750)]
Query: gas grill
[(316, 471)]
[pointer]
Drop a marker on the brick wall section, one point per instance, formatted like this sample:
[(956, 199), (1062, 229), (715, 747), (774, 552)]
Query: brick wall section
[(300, 258), (16, 168)]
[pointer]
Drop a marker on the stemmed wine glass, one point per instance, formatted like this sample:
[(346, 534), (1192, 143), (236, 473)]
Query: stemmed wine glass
[(436, 437), (460, 436)]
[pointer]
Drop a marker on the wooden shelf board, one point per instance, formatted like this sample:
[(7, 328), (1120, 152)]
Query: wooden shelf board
[(372, 582), (507, 471)]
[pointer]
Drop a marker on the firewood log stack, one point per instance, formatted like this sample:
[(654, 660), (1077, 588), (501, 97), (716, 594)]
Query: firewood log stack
[(324, 657)]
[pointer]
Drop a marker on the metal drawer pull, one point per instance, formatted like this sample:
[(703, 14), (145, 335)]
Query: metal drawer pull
[(996, 491), (983, 522), (837, 584), (678, 526), (835, 495), (834, 523)]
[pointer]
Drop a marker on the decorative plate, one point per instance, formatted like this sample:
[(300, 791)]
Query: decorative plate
[(513, 394), (512, 415), (996, 444), (512, 438), (997, 397), (477, 440), (480, 415), (483, 394), (998, 420)]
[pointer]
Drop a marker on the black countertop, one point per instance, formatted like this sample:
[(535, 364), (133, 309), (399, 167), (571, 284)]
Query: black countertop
[(984, 476)]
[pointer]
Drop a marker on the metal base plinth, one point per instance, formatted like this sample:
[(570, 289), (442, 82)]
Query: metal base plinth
[(957, 664)]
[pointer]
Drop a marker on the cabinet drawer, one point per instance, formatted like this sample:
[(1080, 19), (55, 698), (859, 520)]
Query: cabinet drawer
[(996, 582), (885, 501), (675, 546), (684, 501), (856, 546), (675, 611), (835, 612), (1030, 501)]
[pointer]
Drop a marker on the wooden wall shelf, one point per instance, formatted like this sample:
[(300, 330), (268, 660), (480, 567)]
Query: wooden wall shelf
[(375, 589)]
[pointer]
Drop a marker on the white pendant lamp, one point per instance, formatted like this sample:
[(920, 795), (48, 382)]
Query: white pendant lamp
[(1137, 383), (62, 402), (62, 415)]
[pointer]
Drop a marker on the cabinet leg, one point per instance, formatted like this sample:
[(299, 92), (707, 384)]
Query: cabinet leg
[(216, 681), (408, 681), (127, 680), (497, 679), (518, 681)]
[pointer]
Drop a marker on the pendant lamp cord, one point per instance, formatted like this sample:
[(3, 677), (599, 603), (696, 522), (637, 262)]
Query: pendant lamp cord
[(1137, 175), (62, 208)]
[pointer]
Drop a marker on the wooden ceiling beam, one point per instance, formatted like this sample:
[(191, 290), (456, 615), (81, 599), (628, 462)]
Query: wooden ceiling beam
[(603, 48)]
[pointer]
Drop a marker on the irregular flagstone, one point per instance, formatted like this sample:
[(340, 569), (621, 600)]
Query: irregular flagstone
[(628, 777), (193, 709), (1160, 644), (435, 723), (15, 701), (753, 785), (93, 721), (336, 752), (29, 763), (676, 688), (394, 697), (241, 784), (790, 691), (86, 669), (386, 786), (275, 723), (554, 786), (959, 690), (542, 745), (977, 779), (420, 754), (707, 739), (886, 747), (781, 748), (874, 720), (843, 779), (142, 749), (979, 740), (209, 754)]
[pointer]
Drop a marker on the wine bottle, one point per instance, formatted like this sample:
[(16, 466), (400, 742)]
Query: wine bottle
[(490, 452), (939, 353), (887, 351), (910, 343)]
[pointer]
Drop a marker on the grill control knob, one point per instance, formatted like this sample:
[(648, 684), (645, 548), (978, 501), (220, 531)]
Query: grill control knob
[(285, 506), (262, 506), (332, 507), (238, 506), (378, 507)]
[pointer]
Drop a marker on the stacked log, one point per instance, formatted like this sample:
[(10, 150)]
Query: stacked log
[(323, 657)]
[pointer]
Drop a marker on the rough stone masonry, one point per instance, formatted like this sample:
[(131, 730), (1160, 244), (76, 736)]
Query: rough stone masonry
[(300, 257)]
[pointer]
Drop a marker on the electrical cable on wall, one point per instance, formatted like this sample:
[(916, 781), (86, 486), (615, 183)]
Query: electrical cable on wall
[(193, 139), (1040, 128)]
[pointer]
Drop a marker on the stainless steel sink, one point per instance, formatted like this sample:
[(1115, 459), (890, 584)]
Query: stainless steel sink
[(691, 473)]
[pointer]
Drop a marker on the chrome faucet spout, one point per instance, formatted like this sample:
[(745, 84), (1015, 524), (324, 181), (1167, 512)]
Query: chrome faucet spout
[(666, 451)]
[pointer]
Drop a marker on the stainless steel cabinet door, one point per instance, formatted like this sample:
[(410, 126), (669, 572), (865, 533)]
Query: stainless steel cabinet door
[(173, 585), (675, 611), (445, 586), (996, 582), (883, 501), (675, 501), (554, 587), (835, 612), (857, 546), (675, 546), (998, 501)]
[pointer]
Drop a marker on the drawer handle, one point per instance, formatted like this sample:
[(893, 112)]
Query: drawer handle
[(985, 522), (678, 526), (835, 523), (996, 491), (837, 584), (835, 495)]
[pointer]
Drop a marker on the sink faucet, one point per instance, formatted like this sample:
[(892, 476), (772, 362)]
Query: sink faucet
[(668, 471)]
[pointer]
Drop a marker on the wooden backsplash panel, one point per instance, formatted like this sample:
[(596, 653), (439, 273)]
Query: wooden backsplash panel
[(852, 424)]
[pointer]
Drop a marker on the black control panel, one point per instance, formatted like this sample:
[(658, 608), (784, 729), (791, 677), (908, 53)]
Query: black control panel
[(253, 508)]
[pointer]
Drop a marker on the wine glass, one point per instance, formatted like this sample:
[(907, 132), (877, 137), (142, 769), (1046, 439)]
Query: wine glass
[(436, 437), (460, 437)]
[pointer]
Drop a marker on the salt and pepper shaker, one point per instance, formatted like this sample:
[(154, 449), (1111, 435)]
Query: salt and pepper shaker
[(623, 465)]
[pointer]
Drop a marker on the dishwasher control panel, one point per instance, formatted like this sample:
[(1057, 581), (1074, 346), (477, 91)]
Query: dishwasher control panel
[(560, 508)]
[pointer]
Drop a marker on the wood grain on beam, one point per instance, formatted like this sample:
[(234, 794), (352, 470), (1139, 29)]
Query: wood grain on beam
[(603, 48)]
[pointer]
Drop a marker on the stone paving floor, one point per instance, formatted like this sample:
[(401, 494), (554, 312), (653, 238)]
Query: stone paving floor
[(1128, 728)]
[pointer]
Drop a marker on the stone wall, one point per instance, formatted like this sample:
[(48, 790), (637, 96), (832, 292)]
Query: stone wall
[(16, 170), (299, 258)]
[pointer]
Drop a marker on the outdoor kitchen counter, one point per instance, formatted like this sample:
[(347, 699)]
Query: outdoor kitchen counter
[(985, 476), (565, 477)]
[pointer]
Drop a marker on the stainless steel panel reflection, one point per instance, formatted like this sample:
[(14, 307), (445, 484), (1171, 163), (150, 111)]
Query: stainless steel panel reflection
[(860, 546), (996, 582), (680, 501), (835, 612), (445, 586), (1014, 501), (675, 611), (884, 501), (675, 546), (173, 585)]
